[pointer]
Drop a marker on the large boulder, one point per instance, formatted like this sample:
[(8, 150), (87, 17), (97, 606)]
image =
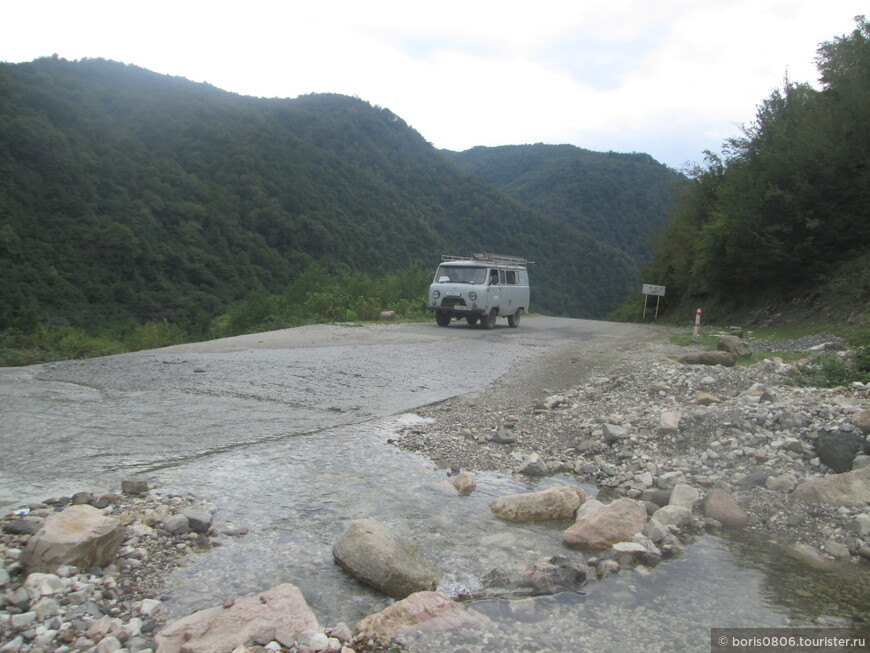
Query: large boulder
[(279, 613), (851, 489), (430, 612), (724, 358), (370, 552), (463, 482), (559, 502), (837, 449), (614, 522), (673, 515), (734, 345), (861, 419), (723, 507), (80, 535)]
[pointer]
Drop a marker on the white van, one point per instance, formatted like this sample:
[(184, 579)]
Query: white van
[(479, 289)]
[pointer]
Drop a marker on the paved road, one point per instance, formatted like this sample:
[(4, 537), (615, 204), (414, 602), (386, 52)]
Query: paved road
[(85, 425)]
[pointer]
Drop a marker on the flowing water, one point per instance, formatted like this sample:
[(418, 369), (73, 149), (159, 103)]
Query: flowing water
[(291, 444)]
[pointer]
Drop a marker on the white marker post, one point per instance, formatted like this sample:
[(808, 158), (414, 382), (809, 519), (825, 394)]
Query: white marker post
[(649, 289), (696, 332)]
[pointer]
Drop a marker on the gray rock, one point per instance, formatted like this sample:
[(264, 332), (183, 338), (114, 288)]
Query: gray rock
[(860, 525), (533, 465), (684, 495), (847, 489), (724, 358), (669, 422), (791, 421), (614, 522), (723, 507), (502, 436), (838, 448), (223, 629), (560, 502), (755, 478), (668, 480), (176, 524), (784, 483), (861, 420), (199, 521), (424, 611), (672, 515), (78, 535), (21, 527), (613, 433), (463, 482), (734, 345), (370, 552), (836, 550), (134, 486)]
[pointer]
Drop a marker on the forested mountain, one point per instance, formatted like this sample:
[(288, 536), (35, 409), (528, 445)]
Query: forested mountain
[(786, 208), (129, 195), (618, 199)]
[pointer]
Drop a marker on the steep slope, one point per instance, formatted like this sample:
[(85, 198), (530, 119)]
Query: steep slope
[(128, 195), (618, 199)]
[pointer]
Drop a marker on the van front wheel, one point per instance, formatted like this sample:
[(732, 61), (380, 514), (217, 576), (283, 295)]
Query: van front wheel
[(514, 320), (442, 319)]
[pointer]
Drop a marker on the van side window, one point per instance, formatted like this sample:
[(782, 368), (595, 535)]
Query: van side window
[(511, 277), (493, 277)]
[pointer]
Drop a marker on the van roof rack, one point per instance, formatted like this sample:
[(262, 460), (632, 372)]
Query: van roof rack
[(486, 257)]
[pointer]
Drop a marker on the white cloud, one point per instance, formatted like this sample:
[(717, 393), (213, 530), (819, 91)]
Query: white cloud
[(671, 78)]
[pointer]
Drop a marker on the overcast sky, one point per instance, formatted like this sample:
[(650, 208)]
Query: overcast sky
[(667, 77)]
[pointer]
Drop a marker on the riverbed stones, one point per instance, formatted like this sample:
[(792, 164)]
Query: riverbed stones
[(199, 521), (613, 433), (684, 495), (673, 515), (221, 630), (533, 465), (613, 522), (838, 449), (559, 502), (463, 482), (422, 611), (723, 507), (861, 419), (370, 552), (735, 345), (134, 486), (849, 489), (669, 422), (79, 535), (724, 358)]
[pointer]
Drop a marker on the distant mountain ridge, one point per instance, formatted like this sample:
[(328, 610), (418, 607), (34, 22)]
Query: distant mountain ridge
[(130, 195), (618, 199)]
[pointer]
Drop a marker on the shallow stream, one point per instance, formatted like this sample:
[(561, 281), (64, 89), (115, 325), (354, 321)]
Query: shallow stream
[(291, 444)]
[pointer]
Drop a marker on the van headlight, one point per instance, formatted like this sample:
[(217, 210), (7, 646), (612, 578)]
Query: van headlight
[(472, 296), (436, 294)]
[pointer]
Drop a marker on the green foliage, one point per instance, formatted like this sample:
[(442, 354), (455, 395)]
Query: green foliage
[(618, 199), (55, 343), (788, 200), (128, 196)]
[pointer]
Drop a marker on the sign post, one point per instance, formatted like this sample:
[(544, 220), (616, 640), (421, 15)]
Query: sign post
[(696, 331), (649, 289)]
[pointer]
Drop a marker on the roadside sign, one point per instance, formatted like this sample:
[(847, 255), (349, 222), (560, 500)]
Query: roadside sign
[(657, 291), (650, 289)]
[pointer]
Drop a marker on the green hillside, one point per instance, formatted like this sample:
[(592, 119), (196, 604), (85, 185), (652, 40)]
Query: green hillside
[(129, 195), (780, 220), (618, 199)]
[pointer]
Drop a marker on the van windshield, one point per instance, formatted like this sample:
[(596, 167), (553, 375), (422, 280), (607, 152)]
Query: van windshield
[(456, 274)]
